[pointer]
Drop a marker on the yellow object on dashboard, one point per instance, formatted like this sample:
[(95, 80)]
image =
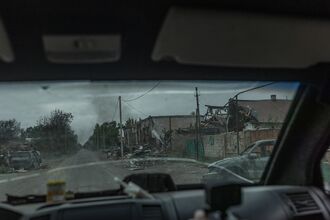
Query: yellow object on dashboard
[(55, 191)]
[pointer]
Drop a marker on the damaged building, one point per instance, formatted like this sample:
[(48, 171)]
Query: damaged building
[(238, 115), (215, 120), (256, 119), (157, 130), (257, 114)]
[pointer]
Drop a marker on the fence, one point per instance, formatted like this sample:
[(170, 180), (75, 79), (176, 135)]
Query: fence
[(218, 146)]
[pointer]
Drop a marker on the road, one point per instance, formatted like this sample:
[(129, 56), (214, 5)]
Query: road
[(85, 171)]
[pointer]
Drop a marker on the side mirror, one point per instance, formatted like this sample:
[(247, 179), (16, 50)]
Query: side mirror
[(253, 156)]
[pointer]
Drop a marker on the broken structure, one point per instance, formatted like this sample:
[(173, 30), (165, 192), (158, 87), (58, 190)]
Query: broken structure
[(157, 130), (238, 114)]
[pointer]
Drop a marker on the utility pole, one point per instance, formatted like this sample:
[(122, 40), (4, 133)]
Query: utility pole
[(97, 138), (237, 125), (128, 144), (237, 110), (170, 128), (136, 134), (103, 137), (197, 123), (121, 129)]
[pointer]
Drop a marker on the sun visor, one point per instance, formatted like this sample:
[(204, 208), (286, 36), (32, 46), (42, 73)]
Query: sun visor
[(6, 51), (209, 37), (82, 48)]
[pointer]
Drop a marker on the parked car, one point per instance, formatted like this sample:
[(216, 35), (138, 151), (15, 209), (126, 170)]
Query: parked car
[(249, 165), (24, 160)]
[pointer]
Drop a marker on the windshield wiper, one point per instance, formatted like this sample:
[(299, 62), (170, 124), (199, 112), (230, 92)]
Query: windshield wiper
[(27, 199), (133, 190)]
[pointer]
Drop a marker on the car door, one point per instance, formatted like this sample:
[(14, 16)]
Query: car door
[(246, 163), (262, 151)]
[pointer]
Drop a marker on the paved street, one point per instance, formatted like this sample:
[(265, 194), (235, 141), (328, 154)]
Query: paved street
[(85, 171)]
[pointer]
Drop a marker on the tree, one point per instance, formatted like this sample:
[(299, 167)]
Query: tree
[(9, 130), (54, 132), (104, 136)]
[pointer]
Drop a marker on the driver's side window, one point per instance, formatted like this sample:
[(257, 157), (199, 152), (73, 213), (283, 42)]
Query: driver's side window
[(257, 151), (325, 169), (264, 150)]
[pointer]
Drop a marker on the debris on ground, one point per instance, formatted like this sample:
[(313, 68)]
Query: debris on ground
[(132, 165), (21, 171)]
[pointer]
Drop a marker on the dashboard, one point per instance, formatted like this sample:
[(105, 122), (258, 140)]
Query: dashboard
[(258, 202)]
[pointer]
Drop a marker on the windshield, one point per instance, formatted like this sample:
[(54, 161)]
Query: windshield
[(86, 133), (263, 149), (248, 149)]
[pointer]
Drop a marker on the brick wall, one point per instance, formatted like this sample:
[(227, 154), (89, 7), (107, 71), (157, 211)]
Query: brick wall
[(212, 145), (221, 145), (179, 143), (225, 144)]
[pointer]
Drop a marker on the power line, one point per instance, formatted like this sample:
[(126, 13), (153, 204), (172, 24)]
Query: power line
[(135, 109), (121, 128), (139, 111), (197, 124), (254, 88), (258, 87), (236, 112), (140, 96)]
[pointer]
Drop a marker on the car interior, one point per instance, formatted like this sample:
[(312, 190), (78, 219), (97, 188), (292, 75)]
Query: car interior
[(184, 40)]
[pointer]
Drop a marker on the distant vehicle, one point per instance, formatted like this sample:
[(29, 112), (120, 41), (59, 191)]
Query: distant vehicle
[(24, 160), (249, 164)]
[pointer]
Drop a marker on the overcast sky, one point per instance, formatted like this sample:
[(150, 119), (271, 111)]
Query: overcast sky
[(96, 102)]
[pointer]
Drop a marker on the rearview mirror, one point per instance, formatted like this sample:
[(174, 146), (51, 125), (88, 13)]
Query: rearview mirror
[(253, 156)]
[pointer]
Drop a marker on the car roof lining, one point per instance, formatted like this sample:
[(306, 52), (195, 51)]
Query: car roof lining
[(237, 39), (139, 24)]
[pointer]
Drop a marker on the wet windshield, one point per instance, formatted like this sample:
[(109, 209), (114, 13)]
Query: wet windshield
[(248, 149), (86, 133)]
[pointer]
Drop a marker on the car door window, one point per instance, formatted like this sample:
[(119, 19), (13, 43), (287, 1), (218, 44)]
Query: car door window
[(263, 150), (248, 149), (257, 151), (325, 169), (258, 161)]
